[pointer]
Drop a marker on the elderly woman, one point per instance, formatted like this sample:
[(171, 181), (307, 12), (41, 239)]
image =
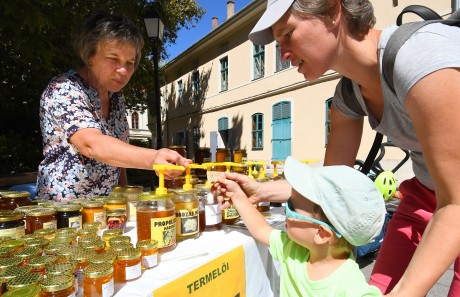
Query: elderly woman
[(83, 116), (420, 115)]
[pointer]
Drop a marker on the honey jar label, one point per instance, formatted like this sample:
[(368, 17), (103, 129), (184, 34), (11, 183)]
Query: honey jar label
[(187, 221), (133, 272), (213, 214), (50, 225), (231, 213), (15, 233), (163, 230), (108, 289), (131, 211), (150, 261), (75, 222), (100, 217)]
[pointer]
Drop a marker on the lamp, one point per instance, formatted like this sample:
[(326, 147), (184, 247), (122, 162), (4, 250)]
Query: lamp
[(155, 30)]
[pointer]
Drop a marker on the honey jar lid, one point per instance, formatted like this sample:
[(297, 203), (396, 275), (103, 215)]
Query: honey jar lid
[(45, 232), (41, 261), (26, 208), (11, 216), (3, 192), (130, 189), (42, 211), (115, 200), (23, 280), (82, 255), (88, 239), (37, 242), (147, 244), (9, 262), (128, 254), (66, 252), (118, 188), (14, 243), (28, 237), (44, 203), (116, 212), (60, 268), (61, 240), (68, 230), (5, 250), (94, 203), (53, 249), (120, 239), (102, 258), (56, 283), (151, 196), (12, 272), (93, 245), (16, 194), (29, 252), (26, 291), (68, 207), (92, 225), (97, 270), (120, 246), (112, 232)]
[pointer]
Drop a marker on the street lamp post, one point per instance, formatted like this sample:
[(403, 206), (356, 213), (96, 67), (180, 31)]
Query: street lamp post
[(155, 29)]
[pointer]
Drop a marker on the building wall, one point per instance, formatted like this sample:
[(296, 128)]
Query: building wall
[(247, 96)]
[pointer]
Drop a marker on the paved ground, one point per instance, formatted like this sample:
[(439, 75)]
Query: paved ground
[(439, 290)]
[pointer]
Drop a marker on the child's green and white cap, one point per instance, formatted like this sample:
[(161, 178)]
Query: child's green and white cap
[(348, 198)]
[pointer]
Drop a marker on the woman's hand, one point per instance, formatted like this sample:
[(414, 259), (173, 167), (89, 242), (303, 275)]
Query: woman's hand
[(249, 186), (171, 157)]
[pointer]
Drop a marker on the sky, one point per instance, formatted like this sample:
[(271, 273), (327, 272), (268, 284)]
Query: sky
[(186, 38)]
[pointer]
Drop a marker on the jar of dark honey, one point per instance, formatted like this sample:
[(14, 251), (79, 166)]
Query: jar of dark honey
[(12, 225), (13, 199), (156, 220), (69, 216), (181, 149), (40, 218), (202, 155)]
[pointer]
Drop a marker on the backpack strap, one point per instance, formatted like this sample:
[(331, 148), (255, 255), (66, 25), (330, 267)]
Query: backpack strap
[(420, 10)]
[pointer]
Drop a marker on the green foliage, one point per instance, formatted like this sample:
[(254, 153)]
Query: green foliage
[(35, 46)]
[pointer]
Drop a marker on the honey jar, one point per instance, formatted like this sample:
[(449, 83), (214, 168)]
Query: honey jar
[(23, 280), (38, 264), (156, 220), (81, 260), (65, 253), (240, 156), (149, 253), (5, 251), (37, 242), (96, 245), (103, 258), (53, 249), (13, 199), (6, 263), (202, 155), (93, 211), (115, 203), (116, 219), (98, 280), (9, 274), (212, 212), (69, 216), (131, 194), (27, 254), (62, 285), (40, 218), (230, 215), (27, 291), (49, 233), (181, 149), (186, 211), (117, 191), (12, 225), (16, 244), (109, 233), (119, 239), (116, 247), (175, 183), (62, 268), (127, 265), (222, 155)]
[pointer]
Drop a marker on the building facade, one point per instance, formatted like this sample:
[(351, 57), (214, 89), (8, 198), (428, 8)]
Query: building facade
[(224, 91)]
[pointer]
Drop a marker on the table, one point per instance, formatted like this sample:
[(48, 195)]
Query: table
[(262, 272)]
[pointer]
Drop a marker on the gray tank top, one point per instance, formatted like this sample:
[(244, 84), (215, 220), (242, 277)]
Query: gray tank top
[(433, 47)]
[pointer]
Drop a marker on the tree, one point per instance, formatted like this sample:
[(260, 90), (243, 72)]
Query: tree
[(35, 46)]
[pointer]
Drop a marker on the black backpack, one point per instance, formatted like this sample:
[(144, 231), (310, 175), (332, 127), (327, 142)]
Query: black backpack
[(397, 39)]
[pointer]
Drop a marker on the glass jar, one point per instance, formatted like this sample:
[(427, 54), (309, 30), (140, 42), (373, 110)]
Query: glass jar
[(48, 233), (127, 265), (103, 258), (93, 211), (23, 280), (97, 245), (6, 263), (186, 210), (149, 253), (16, 244), (27, 291), (37, 242), (12, 225), (65, 253), (156, 220), (62, 268), (40, 218), (212, 211), (91, 225), (175, 183), (87, 239), (115, 203), (109, 233), (240, 156), (81, 260), (87, 232), (222, 155), (5, 251), (115, 248), (230, 215), (98, 280), (69, 216), (38, 264), (28, 253), (119, 239), (53, 249), (116, 219), (9, 274), (131, 194), (117, 191), (57, 286), (12, 200), (181, 149)]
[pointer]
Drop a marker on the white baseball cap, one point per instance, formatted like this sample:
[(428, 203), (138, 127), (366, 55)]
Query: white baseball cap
[(349, 199), (262, 32)]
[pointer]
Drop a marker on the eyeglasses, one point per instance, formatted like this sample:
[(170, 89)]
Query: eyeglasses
[(291, 214)]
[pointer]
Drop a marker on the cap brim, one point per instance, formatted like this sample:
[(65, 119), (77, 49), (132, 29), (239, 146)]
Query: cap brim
[(298, 175), (262, 32)]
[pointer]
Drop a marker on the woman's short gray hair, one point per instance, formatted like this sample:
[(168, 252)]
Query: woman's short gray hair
[(103, 27), (358, 14)]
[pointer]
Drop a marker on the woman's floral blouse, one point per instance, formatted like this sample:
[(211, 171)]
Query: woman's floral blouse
[(66, 106)]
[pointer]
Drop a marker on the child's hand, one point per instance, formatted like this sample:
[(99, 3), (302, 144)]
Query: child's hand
[(229, 189)]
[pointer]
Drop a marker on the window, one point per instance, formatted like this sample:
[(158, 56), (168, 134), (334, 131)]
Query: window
[(180, 93), (135, 120), (196, 137), (257, 131), (280, 64), (180, 138), (222, 124), (224, 74), (195, 83), (259, 61), (328, 120)]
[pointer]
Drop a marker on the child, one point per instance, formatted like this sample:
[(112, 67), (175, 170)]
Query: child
[(331, 209)]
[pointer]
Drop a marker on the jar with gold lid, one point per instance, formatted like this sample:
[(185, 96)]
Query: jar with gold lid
[(28, 237), (240, 156), (103, 258), (40, 218), (38, 264), (87, 239), (27, 291), (222, 155), (131, 194), (69, 216), (127, 265), (53, 249), (65, 253), (12, 225), (112, 203), (149, 252), (9, 262), (97, 245), (109, 233), (202, 155), (116, 218), (81, 260), (37, 242), (98, 280), (115, 248), (16, 244), (23, 280), (11, 200), (117, 191), (156, 220), (186, 211), (119, 239), (87, 232), (28, 253), (67, 237), (9, 274), (212, 212), (55, 286), (47, 233), (67, 268), (92, 225), (5, 251), (93, 211), (62, 240)]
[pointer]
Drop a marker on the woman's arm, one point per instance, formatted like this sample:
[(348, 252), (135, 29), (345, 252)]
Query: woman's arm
[(433, 104)]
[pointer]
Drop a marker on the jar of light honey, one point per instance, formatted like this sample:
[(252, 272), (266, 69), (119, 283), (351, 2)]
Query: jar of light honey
[(222, 155), (98, 280), (115, 203), (230, 215), (127, 265), (131, 194), (212, 212), (109, 233), (93, 211), (149, 253), (156, 220), (81, 260), (40, 218), (186, 211), (117, 191), (67, 268), (62, 285)]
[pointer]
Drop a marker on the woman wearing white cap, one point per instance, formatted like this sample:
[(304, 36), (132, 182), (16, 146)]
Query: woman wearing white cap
[(419, 115)]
